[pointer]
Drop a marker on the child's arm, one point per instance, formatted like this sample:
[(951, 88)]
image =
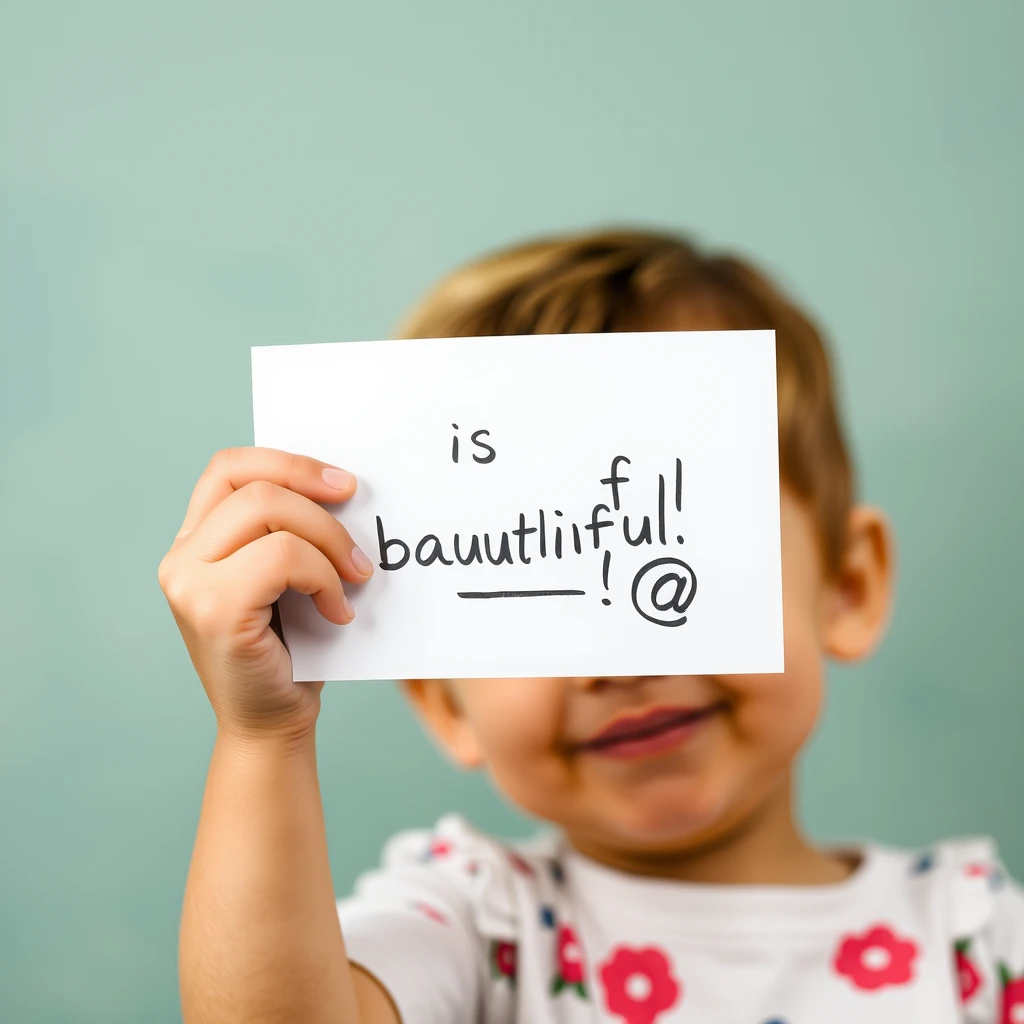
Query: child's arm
[(260, 938), (259, 932)]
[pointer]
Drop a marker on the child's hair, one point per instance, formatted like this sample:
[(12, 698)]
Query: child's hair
[(619, 281)]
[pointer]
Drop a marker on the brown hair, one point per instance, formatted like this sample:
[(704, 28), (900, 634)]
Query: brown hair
[(634, 280)]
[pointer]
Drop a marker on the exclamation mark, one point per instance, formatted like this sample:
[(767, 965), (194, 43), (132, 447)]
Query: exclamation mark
[(604, 574), (679, 493)]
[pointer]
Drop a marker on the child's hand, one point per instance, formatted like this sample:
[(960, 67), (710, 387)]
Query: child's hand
[(253, 529)]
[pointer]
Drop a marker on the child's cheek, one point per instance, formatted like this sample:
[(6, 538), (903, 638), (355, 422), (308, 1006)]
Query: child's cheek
[(518, 730), (780, 710), (532, 775), (791, 702)]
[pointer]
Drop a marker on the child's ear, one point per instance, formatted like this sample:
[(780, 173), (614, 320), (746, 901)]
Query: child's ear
[(859, 597), (437, 705)]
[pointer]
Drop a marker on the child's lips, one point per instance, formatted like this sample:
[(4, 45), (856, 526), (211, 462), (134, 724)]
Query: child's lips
[(653, 732)]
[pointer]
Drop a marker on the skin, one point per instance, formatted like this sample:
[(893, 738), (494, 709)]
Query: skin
[(719, 806), (717, 809), (254, 528)]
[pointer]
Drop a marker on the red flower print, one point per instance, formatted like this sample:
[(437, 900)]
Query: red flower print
[(570, 963), (638, 984), (1013, 997), (503, 960), (432, 912), (521, 865), (976, 870), (876, 959), (966, 972), (439, 848), (570, 956)]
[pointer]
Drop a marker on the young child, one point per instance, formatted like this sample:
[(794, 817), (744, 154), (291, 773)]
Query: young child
[(677, 884)]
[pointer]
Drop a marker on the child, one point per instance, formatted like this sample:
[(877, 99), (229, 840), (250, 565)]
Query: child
[(677, 884)]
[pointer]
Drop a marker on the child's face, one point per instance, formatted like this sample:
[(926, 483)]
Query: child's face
[(689, 781)]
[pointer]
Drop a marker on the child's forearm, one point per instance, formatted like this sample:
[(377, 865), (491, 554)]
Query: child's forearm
[(260, 938)]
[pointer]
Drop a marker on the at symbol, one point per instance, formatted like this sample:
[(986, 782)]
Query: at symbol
[(663, 590)]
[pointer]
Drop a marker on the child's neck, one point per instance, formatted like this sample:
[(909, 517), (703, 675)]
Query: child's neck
[(764, 847)]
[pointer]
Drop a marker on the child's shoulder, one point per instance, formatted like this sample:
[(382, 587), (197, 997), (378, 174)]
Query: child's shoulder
[(964, 882), (454, 848), (959, 889), (458, 868), (962, 865), (966, 879)]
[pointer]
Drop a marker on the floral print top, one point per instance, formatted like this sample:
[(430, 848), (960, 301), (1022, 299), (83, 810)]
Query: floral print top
[(460, 927)]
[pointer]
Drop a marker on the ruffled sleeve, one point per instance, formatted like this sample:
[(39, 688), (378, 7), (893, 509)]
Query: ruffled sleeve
[(986, 909), (437, 925)]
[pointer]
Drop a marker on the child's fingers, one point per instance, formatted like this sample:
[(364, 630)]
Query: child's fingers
[(232, 468), (259, 573), (261, 507)]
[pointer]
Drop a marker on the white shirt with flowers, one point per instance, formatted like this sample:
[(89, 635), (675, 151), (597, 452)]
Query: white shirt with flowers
[(463, 929)]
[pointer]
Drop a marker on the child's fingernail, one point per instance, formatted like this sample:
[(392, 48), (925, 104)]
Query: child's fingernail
[(337, 478), (361, 562), (346, 604)]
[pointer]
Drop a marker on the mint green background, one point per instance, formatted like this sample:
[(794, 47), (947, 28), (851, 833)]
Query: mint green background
[(181, 181)]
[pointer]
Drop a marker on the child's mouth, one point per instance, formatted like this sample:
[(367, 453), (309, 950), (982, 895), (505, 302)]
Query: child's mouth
[(654, 732)]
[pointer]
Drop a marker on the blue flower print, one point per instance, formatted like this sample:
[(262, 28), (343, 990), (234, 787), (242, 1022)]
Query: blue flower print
[(923, 864)]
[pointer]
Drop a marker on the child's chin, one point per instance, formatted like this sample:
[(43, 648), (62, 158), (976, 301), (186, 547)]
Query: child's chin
[(667, 821)]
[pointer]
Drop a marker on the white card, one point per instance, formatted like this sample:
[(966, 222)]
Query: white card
[(519, 446)]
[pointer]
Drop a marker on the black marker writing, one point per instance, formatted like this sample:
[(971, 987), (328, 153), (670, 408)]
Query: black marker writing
[(661, 508), (596, 524), (613, 479), (475, 439), (662, 590), (520, 593)]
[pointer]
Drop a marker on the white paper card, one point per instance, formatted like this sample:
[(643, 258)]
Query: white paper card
[(615, 499)]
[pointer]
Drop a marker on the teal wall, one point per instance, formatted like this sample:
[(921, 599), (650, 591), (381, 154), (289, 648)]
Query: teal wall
[(181, 181)]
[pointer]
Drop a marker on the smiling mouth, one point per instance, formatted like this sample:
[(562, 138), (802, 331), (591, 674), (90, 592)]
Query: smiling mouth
[(655, 732)]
